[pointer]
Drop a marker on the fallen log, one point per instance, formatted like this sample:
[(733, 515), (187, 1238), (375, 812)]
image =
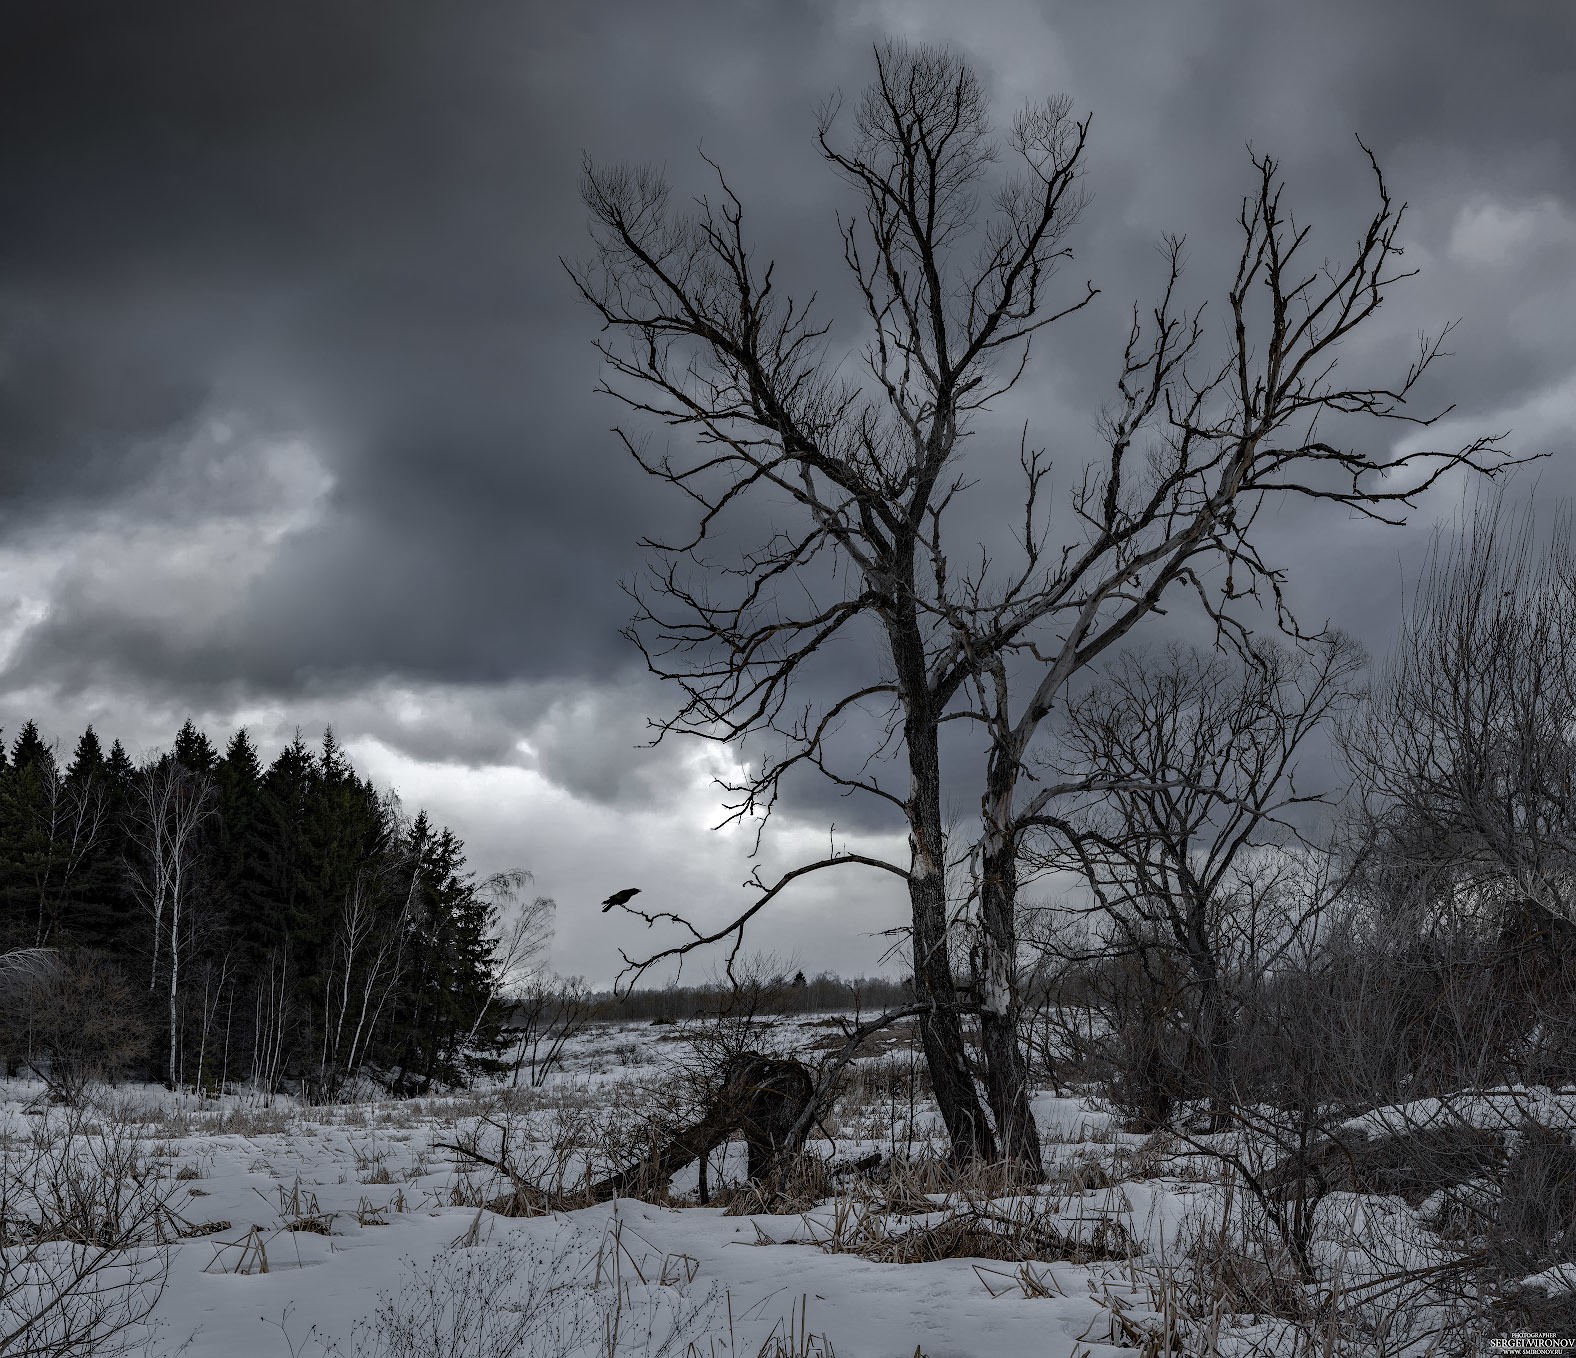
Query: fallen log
[(772, 1101), (764, 1097)]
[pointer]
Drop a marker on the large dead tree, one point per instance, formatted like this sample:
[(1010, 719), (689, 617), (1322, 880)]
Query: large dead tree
[(841, 486), (1196, 449), (953, 298)]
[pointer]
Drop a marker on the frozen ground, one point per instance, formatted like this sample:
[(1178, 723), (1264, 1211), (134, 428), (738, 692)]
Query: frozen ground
[(351, 1230)]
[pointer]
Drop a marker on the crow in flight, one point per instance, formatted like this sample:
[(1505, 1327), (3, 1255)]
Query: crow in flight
[(619, 897)]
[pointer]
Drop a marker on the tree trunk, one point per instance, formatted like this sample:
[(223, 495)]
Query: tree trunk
[(175, 978), (1001, 1008), (1216, 1038), (202, 1032), (940, 1026)]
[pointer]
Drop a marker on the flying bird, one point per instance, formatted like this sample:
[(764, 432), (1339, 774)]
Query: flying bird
[(619, 897)]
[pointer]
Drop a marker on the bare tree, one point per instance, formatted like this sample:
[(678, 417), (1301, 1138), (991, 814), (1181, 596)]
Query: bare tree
[(76, 1014), (369, 954), (218, 988), (1196, 449), (542, 1017), (273, 1020), (525, 932), (953, 300), (859, 476), (168, 808), (1196, 824), (1467, 750), (364, 961)]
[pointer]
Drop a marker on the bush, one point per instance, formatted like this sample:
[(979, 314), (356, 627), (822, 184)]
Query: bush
[(75, 1018), (1536, 1216), (84, 1224)]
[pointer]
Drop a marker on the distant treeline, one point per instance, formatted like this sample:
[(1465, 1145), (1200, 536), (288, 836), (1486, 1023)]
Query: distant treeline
[(276, 924), (787, 995)]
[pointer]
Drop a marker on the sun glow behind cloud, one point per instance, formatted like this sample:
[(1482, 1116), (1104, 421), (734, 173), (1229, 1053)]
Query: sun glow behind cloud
[(580, 849)]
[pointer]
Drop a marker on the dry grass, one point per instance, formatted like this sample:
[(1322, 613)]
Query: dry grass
[(926, 1210), (370, 1214), (1010, 1233), (798, 1185), (512, 1298), (299, 1210)]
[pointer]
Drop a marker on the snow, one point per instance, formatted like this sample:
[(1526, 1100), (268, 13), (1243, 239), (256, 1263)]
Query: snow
[(1505, 1109), (311, 1232)]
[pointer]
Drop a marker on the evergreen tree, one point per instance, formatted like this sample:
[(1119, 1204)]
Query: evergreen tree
[(30, 752), (30, 857), (286, 792), (253, 923), (87, 760), (119, 766), (193, 750), (95, 911), (120, 771), (447, 1024), (318, 931)]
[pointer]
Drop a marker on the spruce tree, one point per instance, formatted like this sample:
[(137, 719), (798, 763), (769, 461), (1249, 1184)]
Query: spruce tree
[(87, 760), (31, 862), (193, 750), (30, 751), (120, 772), (119, 766), (286, 790), (94, 912), (447, 1026), (274, 865), (253, 924)]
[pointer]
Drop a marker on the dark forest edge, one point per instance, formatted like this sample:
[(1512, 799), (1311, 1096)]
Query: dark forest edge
[(205, 920)]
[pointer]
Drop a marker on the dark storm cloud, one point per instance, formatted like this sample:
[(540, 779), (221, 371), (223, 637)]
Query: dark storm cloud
[(338, 224), (354, 213), (70, 382)]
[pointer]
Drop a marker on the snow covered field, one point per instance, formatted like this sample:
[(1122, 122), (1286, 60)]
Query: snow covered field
[(353, 1230)]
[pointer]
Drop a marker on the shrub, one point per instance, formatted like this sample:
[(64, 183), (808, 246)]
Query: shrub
[(77, 1018)]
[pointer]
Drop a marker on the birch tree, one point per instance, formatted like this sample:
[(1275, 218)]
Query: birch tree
[(168, 809)]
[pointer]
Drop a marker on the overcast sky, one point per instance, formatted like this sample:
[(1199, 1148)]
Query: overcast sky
[(297, 421)]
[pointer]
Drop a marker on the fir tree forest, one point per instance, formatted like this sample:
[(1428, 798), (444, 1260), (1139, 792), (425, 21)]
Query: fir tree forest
[(273, 924)]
